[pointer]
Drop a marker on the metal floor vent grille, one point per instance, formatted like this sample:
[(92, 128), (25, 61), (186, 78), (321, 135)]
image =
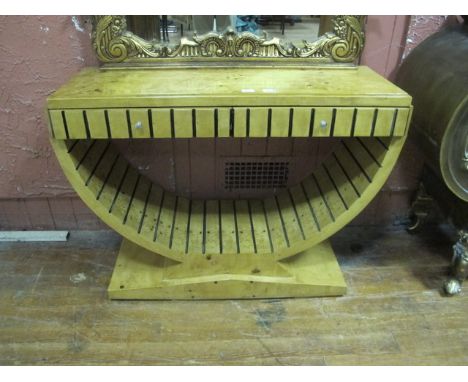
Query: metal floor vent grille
[(255, 175)]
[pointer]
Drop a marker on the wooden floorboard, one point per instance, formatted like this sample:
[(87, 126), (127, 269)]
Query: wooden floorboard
[(54, 310)]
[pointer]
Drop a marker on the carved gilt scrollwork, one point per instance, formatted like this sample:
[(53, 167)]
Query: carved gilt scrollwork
[(113, 43)]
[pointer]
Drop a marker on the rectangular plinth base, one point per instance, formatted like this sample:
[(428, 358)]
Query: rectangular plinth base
[(142, 275)]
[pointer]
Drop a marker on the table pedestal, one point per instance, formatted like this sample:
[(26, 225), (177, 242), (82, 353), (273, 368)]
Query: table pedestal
[(142, 275)]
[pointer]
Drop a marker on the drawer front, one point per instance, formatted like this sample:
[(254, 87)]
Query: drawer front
[(255, 122)]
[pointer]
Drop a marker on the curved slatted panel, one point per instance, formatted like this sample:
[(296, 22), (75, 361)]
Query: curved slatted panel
[(280, 226)]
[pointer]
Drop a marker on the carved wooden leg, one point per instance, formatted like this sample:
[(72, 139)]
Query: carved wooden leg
[(420, 209), (459, 270)]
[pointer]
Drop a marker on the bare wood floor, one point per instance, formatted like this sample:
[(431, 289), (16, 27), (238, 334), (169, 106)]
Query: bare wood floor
[(54, 310)]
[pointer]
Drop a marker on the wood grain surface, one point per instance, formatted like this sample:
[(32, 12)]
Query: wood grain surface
[(55, 311), (242, 86)]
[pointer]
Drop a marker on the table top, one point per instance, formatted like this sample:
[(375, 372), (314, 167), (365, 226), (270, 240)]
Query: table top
[(222, 86)]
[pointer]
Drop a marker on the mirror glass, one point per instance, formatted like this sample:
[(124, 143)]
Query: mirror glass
[(169, 30)]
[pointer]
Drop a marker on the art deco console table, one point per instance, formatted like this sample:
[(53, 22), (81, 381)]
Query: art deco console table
[(231, 86)]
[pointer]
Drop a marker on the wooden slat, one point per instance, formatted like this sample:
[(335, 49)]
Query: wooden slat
[(330, 192), (244, 227), (262, 239), (111, 186), (305, 213), (363, 158), (223, 122), (289, 218), (71, 144), (139, 117), (385, 142), (301, 122), (183, 127), (75, 124), (161, 123), (102, 172), (228, 228), (79, 150), (178, 240), (240, 122), (139, 204), (93, 172), (92, 159), (205, 123), (195, 242), (343, 122), (374, 148), (322, 114), (125, 196), (277, 233), (85, 154), (352, 170), (131, 202), (339, 179), (149, 218), (258, 122), (383, 124), (316, 202), (97, 123), (118, 123), (212, 235), (162, 234), (364, 122), (57, 124), (280, 122), (401, 122)]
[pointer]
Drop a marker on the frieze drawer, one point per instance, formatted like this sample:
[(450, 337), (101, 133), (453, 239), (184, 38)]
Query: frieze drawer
[(212, 122)]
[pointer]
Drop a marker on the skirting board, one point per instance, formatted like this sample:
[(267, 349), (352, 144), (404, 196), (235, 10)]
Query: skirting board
[(34, 235)]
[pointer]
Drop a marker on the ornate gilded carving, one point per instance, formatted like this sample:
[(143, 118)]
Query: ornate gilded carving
[(114, 43)]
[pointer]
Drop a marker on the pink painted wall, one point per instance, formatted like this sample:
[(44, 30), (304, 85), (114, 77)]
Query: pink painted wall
[(385, 42), (422, 27), (39, 53)]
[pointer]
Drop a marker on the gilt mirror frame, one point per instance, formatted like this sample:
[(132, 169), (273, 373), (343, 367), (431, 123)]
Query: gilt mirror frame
[(114, 44)]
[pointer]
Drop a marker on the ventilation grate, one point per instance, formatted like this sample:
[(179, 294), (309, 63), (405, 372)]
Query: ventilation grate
[(255, 175)]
